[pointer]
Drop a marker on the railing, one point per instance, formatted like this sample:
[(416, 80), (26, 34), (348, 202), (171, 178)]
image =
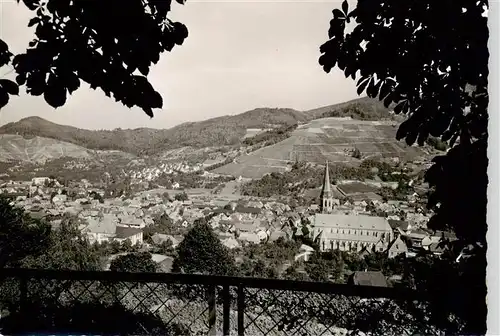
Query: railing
[(181, 304)]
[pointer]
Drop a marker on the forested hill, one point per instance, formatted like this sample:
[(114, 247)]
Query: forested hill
[(364, 108), (226, 130)]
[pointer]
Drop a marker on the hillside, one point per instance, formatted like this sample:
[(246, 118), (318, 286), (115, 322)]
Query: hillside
[(227, 130), (328, 139), (37, 149), (131, 141), (224, 130)]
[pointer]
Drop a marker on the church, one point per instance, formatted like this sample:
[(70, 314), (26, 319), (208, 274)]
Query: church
[(348, 232)]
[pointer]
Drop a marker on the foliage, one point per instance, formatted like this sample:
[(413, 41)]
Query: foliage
[(257, 269), (359, 110), (271, 137), (20, 235), (202, 252), (139, 262), (325, 267), (302, 177), (293, 273), (437, 143), (356, 153), (161, 224), (183, 196), (278, 251), (76, 42), (96, 196), (67, 249), (451, 287)]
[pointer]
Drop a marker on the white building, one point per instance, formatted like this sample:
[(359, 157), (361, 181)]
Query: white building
[(351, 233)]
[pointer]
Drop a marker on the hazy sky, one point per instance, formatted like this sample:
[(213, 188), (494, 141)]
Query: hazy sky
[(239, 55)]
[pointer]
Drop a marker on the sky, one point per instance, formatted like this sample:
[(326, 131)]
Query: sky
[(239, 55)]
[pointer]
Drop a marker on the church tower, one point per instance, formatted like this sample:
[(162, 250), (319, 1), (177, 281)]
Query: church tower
[(326, 196)]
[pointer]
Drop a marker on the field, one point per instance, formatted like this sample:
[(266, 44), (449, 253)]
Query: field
[(328, 139)]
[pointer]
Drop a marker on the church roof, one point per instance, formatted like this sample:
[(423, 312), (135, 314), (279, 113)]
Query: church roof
[(351, 222)]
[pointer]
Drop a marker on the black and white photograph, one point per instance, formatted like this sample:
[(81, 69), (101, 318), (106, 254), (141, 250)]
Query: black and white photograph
[(248, 167)]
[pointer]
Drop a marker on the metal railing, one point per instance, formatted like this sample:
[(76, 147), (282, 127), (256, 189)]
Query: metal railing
[(186, 304)]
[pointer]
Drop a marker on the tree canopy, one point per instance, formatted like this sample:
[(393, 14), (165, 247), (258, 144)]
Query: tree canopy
[(202, 252), (20, 235), (140, 262), (76, 41)]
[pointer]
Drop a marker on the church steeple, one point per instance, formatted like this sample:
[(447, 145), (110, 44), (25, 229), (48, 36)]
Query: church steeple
[(326, 196)]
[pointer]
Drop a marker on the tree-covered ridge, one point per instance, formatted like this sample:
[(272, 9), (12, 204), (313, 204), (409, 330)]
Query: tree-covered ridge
[(360, 109)]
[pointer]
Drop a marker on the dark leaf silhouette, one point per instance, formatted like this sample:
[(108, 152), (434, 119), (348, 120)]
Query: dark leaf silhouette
[(345, 7), (9, 86), (76, 41), (4, 98)]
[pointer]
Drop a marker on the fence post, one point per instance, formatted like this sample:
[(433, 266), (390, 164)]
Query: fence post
[(241, 310), (212, 309), (226, 310)]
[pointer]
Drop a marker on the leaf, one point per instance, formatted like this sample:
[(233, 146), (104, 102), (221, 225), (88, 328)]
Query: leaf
[(4, 98), (385, 89), (411, 137), (72, 83), (402, 130), (20, 79), (148, 111), (55, 94), (337, 13), (33, 21), (399, 108), (345, 7), (362, 86), (9, 86), (155, 100), (144, 69)]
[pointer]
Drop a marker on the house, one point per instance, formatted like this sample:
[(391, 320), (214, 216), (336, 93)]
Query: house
[(397, 247), (99, 231), (427, 241), (132, 222), (368, 278), (230, 243), (166, 264), (123, 233), (380, 246), (404, 226), (39, 181), (416, 236), (249, 237), (159, 238), (437, 249)]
